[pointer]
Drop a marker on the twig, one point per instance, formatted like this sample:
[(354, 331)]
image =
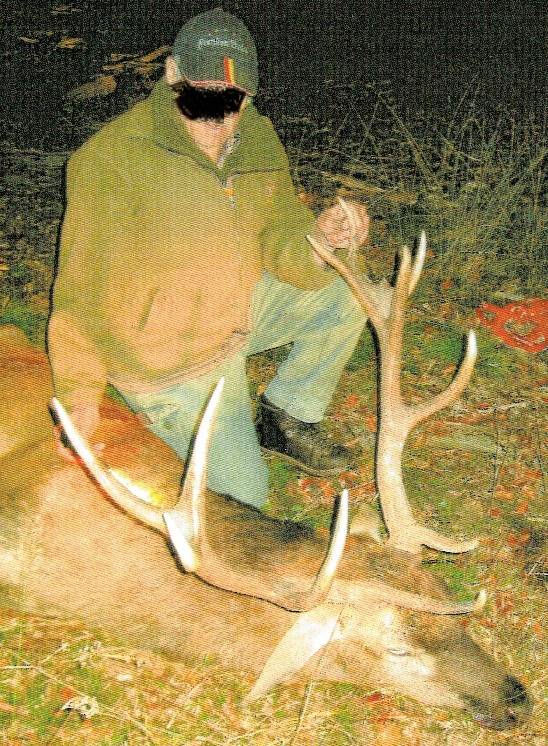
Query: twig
[(304, 706), (107, 711), (310, 685)]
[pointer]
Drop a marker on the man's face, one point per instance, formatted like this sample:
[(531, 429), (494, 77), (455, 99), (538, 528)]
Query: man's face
[(210, 111), (212, 102)]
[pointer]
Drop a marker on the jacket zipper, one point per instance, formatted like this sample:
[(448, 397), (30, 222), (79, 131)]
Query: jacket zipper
[(228, 189)]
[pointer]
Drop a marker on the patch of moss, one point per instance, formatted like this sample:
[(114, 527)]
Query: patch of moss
[(461, 579)]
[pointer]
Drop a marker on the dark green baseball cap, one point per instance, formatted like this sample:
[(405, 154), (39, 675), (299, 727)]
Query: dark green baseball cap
[(217, 47)]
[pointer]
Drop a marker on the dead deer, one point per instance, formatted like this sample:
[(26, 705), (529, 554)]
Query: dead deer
[(269, 596)]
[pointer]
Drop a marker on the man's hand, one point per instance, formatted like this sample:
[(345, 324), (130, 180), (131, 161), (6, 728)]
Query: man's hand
[(86, 420), (336, 227)]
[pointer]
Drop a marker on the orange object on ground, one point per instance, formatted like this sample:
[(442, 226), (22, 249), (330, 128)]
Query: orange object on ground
[(522, 325)]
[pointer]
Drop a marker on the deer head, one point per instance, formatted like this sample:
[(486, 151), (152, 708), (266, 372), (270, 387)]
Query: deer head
[(331, 608)]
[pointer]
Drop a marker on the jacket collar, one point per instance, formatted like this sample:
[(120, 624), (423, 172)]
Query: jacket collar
[(258, 149)]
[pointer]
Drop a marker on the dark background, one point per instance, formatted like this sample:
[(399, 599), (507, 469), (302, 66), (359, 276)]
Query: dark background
[(431, 52)]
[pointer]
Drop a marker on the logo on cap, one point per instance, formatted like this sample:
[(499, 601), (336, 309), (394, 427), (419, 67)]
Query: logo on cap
[(229, 70)]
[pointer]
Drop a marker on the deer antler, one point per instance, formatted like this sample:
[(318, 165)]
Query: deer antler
[(184, 524), (385, 306)]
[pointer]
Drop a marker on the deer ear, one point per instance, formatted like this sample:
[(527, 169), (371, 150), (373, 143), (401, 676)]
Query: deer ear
[(312, 631), (392, 635)]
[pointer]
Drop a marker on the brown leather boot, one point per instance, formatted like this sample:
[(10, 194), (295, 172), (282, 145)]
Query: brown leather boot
[(304, 444)]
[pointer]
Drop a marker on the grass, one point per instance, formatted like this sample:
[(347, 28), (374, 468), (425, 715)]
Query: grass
[(473, 184), (476, 186)]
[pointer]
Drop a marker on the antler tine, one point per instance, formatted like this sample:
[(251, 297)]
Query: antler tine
[(327, 571), (403, 278), (357, 286), (122, 492), (420, 412), (184, 521), (418, 263), (195, 480)]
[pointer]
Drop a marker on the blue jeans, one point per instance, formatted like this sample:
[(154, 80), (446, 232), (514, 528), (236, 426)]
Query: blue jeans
[(324, 327)]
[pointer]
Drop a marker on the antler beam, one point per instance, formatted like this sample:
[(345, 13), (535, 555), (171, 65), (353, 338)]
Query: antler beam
[(385, 306), (184, 524)]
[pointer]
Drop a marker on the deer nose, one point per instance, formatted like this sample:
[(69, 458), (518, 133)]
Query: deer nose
[(516, 699), (512, 709)]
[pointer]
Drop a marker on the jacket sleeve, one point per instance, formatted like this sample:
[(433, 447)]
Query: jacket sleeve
[(286, 252), (97, 219)]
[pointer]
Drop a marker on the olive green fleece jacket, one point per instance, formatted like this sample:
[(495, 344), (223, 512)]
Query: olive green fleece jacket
[(160, 250)]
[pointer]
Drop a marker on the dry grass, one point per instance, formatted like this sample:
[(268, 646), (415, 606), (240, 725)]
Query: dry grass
[(481, 466)]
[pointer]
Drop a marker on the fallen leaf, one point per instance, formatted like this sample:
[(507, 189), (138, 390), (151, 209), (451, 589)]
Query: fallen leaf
[(381, 717), (28, 39), (518, 540), (351, 401), (374, 697), (154, 55), (438, 427), (446, 310), (495, 512), (348, 477), (371, 422), (7, 707), (69, 42), (503, 603), (327, 490), (447, 284), (503, 493), (102, 86), (367, 488), (522, 507), (524, 474)]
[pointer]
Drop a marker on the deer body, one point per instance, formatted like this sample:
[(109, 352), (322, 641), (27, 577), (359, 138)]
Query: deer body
[(65, 549)]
